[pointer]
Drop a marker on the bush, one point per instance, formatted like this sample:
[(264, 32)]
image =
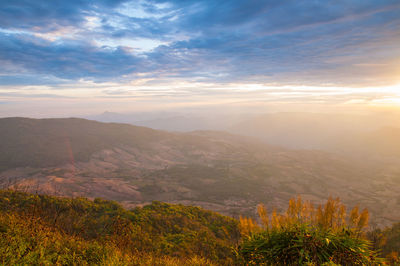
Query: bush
[(387, 242), (305, 245), (305, 235)]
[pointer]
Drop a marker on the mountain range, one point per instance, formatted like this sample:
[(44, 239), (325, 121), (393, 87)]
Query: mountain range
[(216, 170)]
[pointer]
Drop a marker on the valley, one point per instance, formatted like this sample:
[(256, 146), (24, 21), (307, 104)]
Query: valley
[(215, 170)]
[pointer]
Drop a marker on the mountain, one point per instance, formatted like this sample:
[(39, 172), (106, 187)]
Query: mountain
[(49, 142), (383, 142), (349, 134), (368, 136), (172, 121), (307, 130), (45, 230), (216, 170)]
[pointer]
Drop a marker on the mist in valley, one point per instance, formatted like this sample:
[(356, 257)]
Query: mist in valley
[(164, 132)]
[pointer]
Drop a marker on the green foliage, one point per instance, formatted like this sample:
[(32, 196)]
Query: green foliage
[(46, 230), (28, 240), (387, 242), (305, 235), (304, 245), (51, 230)]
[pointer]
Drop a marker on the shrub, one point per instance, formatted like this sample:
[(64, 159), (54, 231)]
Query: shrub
[(305, 235)]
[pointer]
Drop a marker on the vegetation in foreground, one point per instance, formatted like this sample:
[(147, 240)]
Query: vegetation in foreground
[(40, 229), (305, 235), (387, 242), (46, 230)]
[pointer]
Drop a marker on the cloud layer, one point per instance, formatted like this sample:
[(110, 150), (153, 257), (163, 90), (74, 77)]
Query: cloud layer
[(159, 53), (288, 42)]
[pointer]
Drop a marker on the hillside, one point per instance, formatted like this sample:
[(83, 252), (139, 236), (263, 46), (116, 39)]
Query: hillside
[(50, 142), (45, 230), (216, 170), (41, 229), (369, 136), (383, 142)]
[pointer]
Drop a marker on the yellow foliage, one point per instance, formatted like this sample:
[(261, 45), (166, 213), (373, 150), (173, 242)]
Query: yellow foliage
[(354, 216), (331, 215), (262, 213), (247, 225), (363, 219)]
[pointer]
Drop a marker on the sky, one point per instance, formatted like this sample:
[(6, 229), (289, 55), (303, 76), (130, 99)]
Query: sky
[(64, 58)]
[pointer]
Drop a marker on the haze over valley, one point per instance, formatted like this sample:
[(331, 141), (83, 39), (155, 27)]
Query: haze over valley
[(199, 132), (217, 170)]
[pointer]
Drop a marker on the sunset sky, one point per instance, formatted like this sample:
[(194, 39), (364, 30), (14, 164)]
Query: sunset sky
[(83, 57)]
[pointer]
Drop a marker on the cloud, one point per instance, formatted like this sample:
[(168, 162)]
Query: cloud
[(287, 42), (42, 15), (16, 95), (29, 79), (70, 60)]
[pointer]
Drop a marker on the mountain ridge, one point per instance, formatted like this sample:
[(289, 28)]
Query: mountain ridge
[(227, 173)]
